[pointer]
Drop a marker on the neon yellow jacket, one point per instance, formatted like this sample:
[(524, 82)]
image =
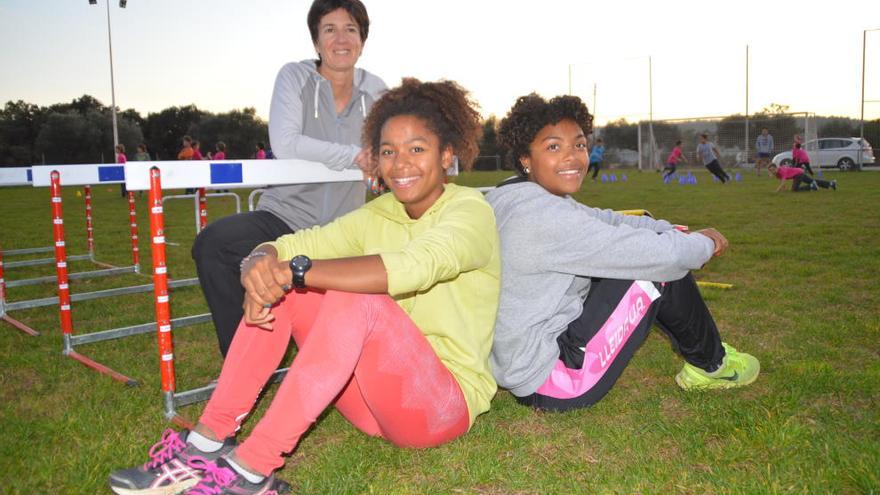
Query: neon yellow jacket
[(444, 270)]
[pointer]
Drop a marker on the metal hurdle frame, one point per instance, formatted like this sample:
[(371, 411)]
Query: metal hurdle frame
[(226, 175), (84, 175), (25, 176), (201, 209), (65, 298)]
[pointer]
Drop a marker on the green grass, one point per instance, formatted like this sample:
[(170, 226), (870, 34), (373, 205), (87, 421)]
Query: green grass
[(806, 303)]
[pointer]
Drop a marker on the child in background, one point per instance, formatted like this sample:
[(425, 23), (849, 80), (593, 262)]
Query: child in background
[(261, 151), (709, 153), (220, 154), (673, 159), (801, 158), (120, 159), (197, 151), (800, 181), (597, 155)]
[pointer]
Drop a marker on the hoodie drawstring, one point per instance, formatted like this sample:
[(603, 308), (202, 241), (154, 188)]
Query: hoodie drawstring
[(363, 105), (317, 90)]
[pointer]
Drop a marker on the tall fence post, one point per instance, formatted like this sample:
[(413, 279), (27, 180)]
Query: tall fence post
[(61, 256), (133, 227), (160, 290)]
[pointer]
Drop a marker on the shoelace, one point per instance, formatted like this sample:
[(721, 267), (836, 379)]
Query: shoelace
[(216, 478), (164, 449)]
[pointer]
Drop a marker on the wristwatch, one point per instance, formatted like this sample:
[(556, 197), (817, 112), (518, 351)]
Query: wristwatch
[(299, 265)]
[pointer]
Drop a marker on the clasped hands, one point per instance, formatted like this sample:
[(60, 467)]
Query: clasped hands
[(265, 280)]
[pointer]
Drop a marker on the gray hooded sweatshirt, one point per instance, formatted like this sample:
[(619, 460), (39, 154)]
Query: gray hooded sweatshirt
[(304, 125), (550, 246)]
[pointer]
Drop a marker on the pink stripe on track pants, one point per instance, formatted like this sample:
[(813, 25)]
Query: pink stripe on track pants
[(359, 352)]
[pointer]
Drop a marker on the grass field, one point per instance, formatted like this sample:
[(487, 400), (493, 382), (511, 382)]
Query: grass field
[(806, 302)]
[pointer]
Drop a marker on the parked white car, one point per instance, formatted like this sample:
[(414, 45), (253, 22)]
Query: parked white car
[(841, 153)]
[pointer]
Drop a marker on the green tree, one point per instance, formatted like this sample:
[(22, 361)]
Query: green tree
[(241, 130), (621, 134), (164, 130), (19, 125)]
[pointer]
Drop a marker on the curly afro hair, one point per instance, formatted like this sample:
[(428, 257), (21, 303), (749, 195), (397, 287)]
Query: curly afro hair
[(529, 115), (444, 106)]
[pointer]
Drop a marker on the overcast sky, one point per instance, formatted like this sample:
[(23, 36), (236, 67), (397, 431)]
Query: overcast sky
[(224, 54)]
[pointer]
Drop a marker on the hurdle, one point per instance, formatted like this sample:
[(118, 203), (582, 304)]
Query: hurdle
[(227, 175), (81, 175), (64, 299), (17, 176)]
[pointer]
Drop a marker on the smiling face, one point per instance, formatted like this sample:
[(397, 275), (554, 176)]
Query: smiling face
[(339, 41), (557, 158), (412, 163)]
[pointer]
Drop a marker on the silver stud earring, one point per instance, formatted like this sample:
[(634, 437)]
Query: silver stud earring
[(528, 171)]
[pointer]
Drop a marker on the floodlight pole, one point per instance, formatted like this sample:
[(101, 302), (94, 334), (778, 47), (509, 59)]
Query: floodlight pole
[(112, 78), (651, 112), (747, 106), (569, 79)]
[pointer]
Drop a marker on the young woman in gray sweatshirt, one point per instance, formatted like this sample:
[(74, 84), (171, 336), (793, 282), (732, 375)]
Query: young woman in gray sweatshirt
[(581, 287), (317, 113)]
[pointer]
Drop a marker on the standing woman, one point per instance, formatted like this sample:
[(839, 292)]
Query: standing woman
[(392, 314), (317, 113), (581, 287)]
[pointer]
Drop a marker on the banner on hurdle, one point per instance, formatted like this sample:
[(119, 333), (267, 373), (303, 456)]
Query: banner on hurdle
[(229, 174), (15, 176)]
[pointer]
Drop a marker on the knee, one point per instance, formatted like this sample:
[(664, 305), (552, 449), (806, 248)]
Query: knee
[(207, 242)]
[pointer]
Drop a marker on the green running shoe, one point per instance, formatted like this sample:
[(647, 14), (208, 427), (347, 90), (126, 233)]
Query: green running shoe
[(737, 370)]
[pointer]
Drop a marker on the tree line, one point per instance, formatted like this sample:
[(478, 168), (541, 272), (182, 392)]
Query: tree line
[(81, 132)]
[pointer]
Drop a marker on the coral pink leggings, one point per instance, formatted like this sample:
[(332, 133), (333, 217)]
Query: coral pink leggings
[(360, 352)]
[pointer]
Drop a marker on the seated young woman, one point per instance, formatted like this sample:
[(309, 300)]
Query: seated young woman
[(580, 286), (391, 306)]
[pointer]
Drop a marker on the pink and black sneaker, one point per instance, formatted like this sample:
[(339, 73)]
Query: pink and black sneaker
[(169, 470), (220, 478)]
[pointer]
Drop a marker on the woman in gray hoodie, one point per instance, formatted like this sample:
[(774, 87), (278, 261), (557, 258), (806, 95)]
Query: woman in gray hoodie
[(581, 287), (317, 112)]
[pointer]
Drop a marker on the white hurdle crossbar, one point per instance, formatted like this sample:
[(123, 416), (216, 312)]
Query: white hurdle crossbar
[(226, 174)]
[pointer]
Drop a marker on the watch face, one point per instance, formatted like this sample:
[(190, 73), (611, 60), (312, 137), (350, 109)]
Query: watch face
[(301, 263)]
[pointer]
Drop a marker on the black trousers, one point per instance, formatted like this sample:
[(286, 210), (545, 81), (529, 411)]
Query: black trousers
[(218, 251), (716, 170), (804, 182), (679, 311), (668, 170), (594, 166)]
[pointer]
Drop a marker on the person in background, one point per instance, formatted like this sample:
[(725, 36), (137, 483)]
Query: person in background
[(800, 158), (261, 151), (186, 153), (672, 160), (581, 287), (197, 151), (120, 159), (800, 181), (597, 155), (763, 148), (709, 154), (220, 153), (316, 114), (142, 154)]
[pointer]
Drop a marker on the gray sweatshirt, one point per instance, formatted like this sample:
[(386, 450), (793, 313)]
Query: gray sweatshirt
[(303, 124), (550, 246)]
